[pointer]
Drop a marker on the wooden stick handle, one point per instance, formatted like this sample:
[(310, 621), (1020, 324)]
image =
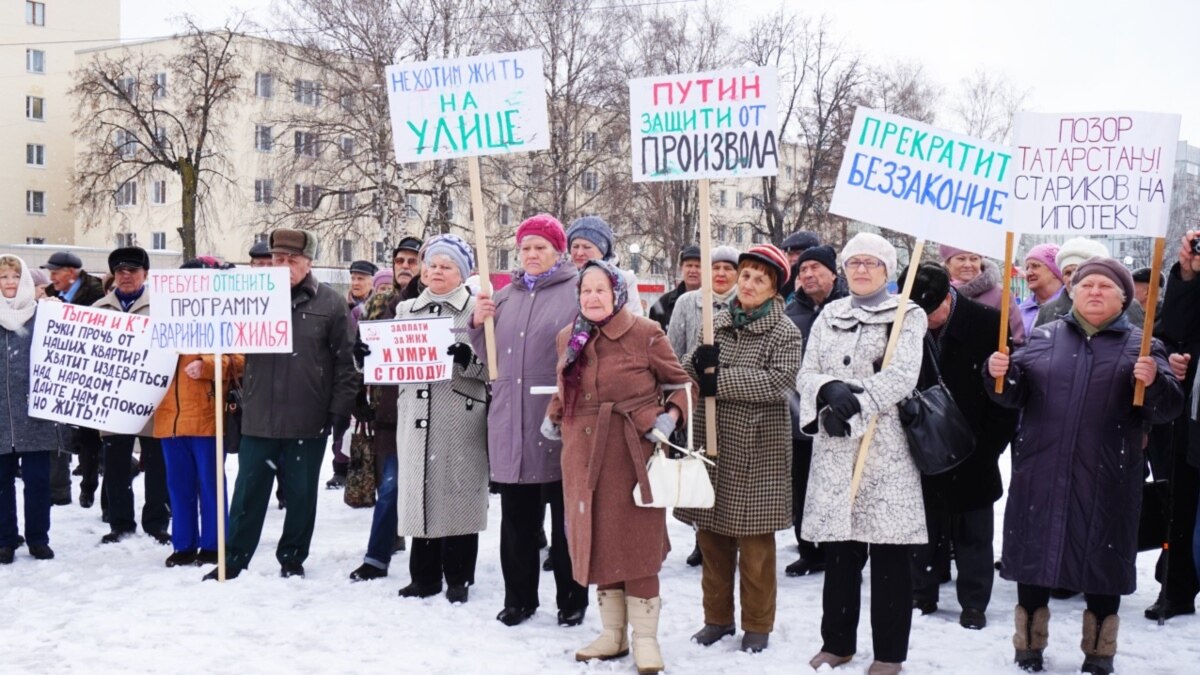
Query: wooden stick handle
[(706, 307), (1005, 299), (860, 462), (482, 261), (219, 400), (1139, 390)]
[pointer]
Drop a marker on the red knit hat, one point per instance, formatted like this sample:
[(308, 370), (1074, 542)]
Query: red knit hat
[(769, 255), (545, 226)]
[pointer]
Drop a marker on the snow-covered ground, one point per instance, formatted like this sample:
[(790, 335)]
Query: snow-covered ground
[(116, 608)]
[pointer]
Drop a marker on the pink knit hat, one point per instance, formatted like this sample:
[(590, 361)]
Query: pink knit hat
[(948, 252), (545, 226), (1045, 254)]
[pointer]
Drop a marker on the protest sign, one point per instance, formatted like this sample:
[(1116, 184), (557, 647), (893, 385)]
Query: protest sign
[(95, 368), (1093, 173), (932, 184), (718, 124), (204, 311), (489, 104), (407, 351)]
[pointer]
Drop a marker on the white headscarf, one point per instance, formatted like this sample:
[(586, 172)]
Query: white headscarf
[(16, 311)]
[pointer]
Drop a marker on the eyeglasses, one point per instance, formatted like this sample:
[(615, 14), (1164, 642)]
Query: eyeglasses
[(862, 263)]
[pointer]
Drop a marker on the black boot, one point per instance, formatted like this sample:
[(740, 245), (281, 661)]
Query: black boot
[(420, 590), (695, 558), (367, 572)]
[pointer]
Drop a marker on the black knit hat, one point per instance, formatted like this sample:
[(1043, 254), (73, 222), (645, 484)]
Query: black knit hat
[(822, 254), (1142, 276), (930, 287)]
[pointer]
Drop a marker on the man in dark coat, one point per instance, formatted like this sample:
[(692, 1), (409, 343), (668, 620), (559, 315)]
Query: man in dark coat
[(291, 402), (689, 269), (958, 504), (1178, 326), (69, 283), (817, 284)]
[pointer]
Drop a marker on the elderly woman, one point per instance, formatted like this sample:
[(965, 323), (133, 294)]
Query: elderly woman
[(28, 442), (590, 238), (526, 467), (684, 329), (842, 386), (1076, 490), (613, 368), (750, 370), (978, 278)]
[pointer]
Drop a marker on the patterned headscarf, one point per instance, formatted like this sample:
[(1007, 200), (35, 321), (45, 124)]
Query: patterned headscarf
[(584, 329)]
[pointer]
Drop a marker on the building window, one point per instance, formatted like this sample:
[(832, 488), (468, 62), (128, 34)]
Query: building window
[(656, 267), (35, 202), (158, 240), (449, 209), (740, 201), (346, 100), (505, 214), (160, 86), (502, 259), (264, 85), (722, 198), (35, 13), (756, 203), (262, 238), (127, 194), (306, 196), (306, 144), (35, 60), (125, 143), (759, 237), (589, 140), (307, 92), (35, 108), (739, 235), (158, 193), (722, 232), (346, 147), (413, 202), (381, 252), (35, 241), (264, 140), (346, 250), (788, 172), (127, 86), (346, 201), (264, 191), (589, 181), (125, 239), (160, 138), (35, 154)]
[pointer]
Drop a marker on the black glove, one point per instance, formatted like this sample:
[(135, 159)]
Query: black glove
[(703, 358), (361, 351), (461, 352), (336, 425), (839, 396), (363, 411), (834, 425)]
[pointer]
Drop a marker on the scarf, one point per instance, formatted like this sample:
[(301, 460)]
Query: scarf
[(16, 311), (721, 301), (870, 300), (742, 318), (127, 300), (1088, 328), (531, 279), (988, 278), (584, 329)]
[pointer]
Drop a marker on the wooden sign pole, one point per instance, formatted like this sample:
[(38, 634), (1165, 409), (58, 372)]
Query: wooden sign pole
[(1005, 300), (1139, 390), (482, 261), (860, 463), (706, 308), (219, 399)]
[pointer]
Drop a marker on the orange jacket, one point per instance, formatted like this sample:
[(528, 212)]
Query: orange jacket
[(188, 408)]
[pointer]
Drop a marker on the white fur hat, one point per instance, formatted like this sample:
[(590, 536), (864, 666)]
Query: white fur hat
[(1075, 251), (867, 243)]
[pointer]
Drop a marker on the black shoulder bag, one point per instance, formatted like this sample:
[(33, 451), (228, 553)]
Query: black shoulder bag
[(938, 435)]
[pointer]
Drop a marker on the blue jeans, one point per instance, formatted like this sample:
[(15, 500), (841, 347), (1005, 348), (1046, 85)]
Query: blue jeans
[(383, 522), (35, 475), (191, 483)]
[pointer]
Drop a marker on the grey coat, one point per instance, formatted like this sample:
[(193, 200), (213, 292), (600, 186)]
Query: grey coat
[(527, 324), (688, 319), (18, 431), (292, 395), (441, 438)]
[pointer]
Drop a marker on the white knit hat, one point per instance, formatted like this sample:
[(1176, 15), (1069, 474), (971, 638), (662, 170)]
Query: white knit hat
[(867, 243), (1075, 251)]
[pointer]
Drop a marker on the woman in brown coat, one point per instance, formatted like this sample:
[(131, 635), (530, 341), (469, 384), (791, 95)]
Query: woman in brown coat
[(613, 370)]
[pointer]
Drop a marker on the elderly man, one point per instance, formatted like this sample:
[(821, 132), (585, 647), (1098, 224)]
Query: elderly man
[(362, 276), (70, 284), (129, 267), (689, 269), (260, 255), (291, 403)]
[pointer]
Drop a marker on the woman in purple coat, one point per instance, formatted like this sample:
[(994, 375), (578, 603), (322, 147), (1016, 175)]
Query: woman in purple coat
[(526, 467), (1073, 503)]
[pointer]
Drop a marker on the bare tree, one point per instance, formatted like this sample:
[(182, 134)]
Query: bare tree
[(985, 106), (142, 114), (903, 89)]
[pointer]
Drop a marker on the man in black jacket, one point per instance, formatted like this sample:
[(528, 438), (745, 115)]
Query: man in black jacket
[(291, 402), (958, 504), (689, 269)]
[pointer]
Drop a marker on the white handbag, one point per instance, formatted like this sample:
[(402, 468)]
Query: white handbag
[(678, 483)]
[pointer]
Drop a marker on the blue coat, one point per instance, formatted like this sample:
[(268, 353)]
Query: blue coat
[(18, 431), (1077, 464)]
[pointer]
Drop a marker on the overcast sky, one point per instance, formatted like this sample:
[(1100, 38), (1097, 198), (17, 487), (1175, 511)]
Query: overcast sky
[(1073, 55)]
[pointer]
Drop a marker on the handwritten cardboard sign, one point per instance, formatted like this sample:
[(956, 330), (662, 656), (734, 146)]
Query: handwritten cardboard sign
[(717, 124), (932, 184), (491, 104), (240, 310), (1093, 173), (407, 351), (95, 368)]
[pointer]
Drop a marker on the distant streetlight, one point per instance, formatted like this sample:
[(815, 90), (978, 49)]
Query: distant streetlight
[(1128, 260)]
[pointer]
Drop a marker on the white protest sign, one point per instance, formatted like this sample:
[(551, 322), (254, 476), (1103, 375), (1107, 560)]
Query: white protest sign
[(717, 124), (491, 104), (1093, 173), (932, 184), (203, 311), (95, 368), (407, 351)]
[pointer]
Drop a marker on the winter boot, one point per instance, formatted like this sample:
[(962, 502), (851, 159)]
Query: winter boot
[(612, 643), (828, 659), (643, 619), (1031, 637), (1099, 643), (884, 668)]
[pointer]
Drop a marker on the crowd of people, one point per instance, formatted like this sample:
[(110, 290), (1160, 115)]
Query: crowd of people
[(801, 375)]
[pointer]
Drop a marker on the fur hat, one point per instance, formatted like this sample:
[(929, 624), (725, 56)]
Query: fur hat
[(1110, 268), (595, 230), (726, 254), (545, 226), (771, 256), (930, 287), (1075, 251), (822, 254), (868, 243), (293, 242), (1045, 254)]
